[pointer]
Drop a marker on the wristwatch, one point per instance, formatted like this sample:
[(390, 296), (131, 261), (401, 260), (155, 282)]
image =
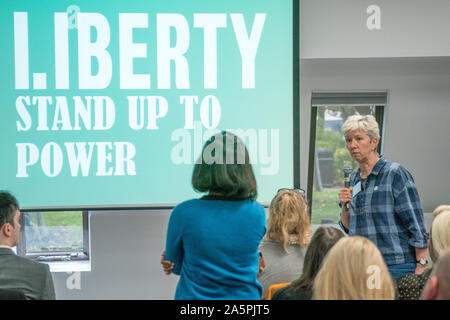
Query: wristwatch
[(422, 262)]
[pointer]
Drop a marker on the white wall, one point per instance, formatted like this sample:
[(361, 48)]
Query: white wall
[(409, 28), (126, 250)]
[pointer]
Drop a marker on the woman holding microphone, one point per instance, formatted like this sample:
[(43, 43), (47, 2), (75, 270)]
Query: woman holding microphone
[(383, 202)]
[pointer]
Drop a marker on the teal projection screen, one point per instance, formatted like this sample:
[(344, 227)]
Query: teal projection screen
[(107, 104)]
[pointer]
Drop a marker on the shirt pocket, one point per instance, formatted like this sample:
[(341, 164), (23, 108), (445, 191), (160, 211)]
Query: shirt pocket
[(359, 215), (358, 204)]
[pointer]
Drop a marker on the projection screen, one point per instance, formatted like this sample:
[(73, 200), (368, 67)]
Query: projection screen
[(107, 104)]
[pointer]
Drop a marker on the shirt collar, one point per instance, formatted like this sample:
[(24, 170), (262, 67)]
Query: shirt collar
[(379, 165), (376, 169), (4, 250)]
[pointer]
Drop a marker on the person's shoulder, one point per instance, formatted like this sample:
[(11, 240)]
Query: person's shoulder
[(256, 208), (186, 205), (401, 174), (185, 208), (31, 265), (247, 205), (281, 294), (250, 211), (395, 167), (268, 245), (397, 171), (291, 293), (253, 204)]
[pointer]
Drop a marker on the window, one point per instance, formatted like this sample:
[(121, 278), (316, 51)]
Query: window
[(328, 152), (55, 235)]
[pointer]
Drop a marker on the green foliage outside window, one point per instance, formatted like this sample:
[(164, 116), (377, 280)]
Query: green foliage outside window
[(325, 201)]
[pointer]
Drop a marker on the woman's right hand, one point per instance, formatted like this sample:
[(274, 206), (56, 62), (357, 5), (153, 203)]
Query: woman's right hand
[(345, 195)]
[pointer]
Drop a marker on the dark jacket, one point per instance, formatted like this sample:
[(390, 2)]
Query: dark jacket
[(31, 278)]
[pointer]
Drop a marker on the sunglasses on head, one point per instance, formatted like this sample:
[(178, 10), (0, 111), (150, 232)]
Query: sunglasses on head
[(301, 191)]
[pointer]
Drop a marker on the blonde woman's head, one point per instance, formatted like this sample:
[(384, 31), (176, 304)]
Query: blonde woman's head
[(289, 219), (440, 235), (354, 269), (440, 209)]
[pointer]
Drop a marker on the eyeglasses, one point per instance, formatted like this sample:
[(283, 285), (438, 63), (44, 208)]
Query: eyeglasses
[(301, 191)]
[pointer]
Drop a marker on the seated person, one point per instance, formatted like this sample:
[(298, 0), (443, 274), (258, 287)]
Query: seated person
[(354, 269), (410, 286), (288, 234), (31, 278), (438, 286), (6, 294), (440, 209), (301, 289)]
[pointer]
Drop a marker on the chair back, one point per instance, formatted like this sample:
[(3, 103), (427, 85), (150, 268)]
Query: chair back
[(274, 288)]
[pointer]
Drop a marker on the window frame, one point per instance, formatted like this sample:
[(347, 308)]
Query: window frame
[(56, 255), (379, 116)]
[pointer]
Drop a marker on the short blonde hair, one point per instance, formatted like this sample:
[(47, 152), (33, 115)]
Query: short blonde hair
[(366, 123), (288, 215), (346, 273), (440, 209), (440, 233)]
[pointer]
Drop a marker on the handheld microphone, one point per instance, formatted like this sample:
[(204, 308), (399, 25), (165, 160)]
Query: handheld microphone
[(347, 170)]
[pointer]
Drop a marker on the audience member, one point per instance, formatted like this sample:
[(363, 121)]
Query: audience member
[(288, 234), (440, 209), (438, 286), (6, 294), (410, 286), (354, 269), (19, 274), (212, 242), (302, 289)]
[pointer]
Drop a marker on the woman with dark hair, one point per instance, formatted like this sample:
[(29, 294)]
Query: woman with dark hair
[(212, 242), (302, 289)]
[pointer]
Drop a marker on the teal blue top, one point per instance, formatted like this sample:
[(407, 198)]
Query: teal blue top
[(214, 247)]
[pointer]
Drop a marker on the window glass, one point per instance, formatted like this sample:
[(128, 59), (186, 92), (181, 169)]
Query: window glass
[(330, 156), (53, 231)]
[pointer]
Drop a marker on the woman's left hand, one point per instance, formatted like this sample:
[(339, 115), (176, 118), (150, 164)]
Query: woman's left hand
[(166, 264), (419, 269)]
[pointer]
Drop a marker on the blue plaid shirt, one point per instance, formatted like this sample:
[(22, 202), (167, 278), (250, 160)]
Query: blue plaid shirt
[(388, 212)]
